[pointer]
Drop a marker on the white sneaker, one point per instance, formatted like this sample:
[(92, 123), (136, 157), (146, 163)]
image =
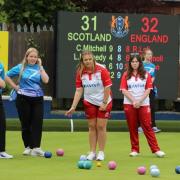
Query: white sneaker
[(140, 130), (156, 130), (160, 154), (100, 156), (133, 154), (37, 152), (91, 156), (4, 155), (27, 151)]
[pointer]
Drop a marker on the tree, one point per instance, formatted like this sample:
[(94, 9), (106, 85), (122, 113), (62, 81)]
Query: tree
[(44, 11), (3, 16), (36, 12)]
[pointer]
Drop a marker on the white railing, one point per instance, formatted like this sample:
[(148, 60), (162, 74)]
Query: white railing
[(25, 28)]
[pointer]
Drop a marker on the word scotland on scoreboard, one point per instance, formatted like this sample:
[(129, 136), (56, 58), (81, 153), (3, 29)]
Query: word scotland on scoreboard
[(112, 38)]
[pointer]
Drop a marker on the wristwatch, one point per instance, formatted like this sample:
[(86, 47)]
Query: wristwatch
[(104, 102)]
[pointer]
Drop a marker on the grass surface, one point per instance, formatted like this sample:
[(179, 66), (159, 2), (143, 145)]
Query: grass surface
[(75, 144)]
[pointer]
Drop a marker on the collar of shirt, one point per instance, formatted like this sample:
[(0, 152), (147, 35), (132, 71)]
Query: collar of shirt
[(90, 72)]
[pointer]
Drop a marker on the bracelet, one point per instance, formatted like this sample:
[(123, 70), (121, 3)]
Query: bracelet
[(41, 68), (73, 107)]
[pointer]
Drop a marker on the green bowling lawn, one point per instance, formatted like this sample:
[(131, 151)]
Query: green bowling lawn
[(75, 144)]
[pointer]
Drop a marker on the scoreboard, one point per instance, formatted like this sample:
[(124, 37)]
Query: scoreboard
[(112, 38)]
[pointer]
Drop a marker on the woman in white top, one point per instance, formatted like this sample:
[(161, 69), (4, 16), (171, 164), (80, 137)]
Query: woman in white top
[(94, 80), (136, 85)]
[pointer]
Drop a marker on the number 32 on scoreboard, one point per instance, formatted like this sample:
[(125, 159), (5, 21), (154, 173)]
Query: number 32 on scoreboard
[(149, 24)]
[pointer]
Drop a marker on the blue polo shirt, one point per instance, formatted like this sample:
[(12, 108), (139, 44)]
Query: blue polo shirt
[(150, 68), (30, 81), (1, 74)]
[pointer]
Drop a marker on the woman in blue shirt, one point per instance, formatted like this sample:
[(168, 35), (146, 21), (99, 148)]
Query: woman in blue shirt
[(3, 154), (151, 69), (29, 102)]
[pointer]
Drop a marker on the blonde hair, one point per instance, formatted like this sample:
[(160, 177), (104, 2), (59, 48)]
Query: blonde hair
[(80, 66), (145, 51), (24, 61)]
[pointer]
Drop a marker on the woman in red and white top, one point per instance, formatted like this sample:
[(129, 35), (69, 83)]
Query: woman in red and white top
[(136, 85), (94, 79)]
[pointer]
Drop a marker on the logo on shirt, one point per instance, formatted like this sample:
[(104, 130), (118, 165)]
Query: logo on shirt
[(119, 26), (150, 70), (94, 85), (140, 85)]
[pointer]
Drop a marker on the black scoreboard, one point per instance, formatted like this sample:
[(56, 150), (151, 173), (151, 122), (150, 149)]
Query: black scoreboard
[(112, 37)]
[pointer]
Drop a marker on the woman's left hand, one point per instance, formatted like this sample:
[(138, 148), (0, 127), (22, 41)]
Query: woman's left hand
[(103, 107)]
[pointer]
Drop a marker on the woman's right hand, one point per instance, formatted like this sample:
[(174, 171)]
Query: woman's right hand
[(39, 61), (136, 104), (70, 111)]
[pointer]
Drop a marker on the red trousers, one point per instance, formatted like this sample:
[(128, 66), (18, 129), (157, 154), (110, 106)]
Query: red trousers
[(142, 116)]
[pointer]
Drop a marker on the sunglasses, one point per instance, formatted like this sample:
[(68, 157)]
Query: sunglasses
[(134, 55)]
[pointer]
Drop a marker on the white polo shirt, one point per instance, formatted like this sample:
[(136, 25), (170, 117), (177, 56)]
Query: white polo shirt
[(94, 84), (136, 86)]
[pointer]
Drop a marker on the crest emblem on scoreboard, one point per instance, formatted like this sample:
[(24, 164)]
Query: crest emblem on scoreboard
[(119, 26)]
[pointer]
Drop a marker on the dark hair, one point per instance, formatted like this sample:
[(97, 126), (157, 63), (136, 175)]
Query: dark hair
[(141, 70)]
